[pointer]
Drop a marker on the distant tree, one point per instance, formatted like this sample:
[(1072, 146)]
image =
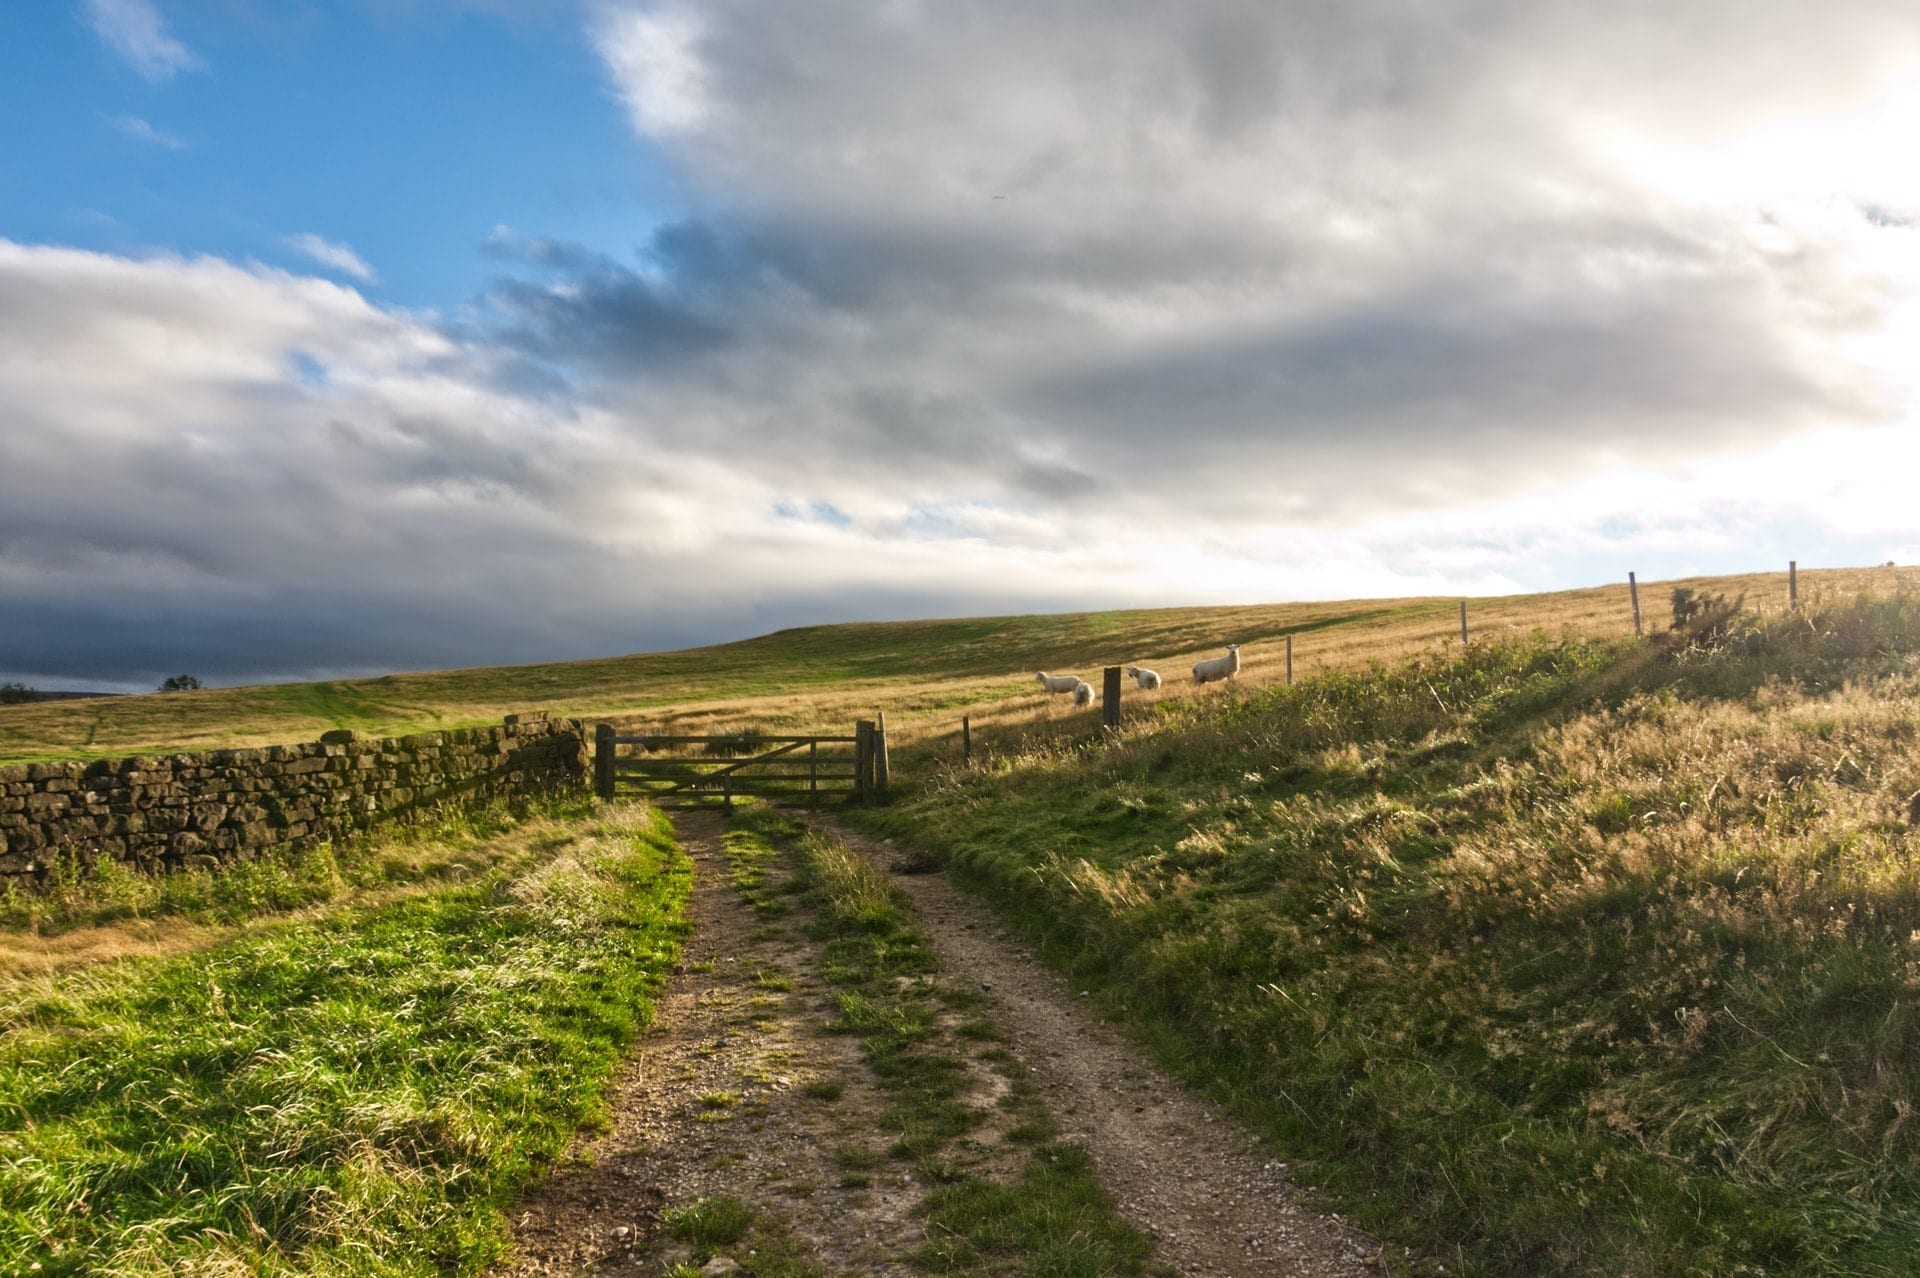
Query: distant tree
[(12, 694), (179, 683)]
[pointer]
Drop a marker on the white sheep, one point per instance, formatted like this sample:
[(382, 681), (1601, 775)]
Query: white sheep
[(1082, 693), (1058, 683), (1149, 680), (1217, 668)]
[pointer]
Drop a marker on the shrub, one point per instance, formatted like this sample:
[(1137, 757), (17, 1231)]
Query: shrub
[(179, 683)]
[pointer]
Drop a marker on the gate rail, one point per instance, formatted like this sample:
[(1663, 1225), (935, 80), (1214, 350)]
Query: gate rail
[(702, 771)]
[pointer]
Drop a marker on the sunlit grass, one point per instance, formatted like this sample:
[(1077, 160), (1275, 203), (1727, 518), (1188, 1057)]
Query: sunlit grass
[(361, 1092), (1564, 956)]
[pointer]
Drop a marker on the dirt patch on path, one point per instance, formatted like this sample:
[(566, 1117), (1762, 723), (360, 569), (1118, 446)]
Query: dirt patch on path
[(1177, 1166), (723, 1097)]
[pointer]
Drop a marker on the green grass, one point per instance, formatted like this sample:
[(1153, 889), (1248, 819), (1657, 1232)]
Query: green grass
[(1055, 1219), (1562, 956), (361, 1093)]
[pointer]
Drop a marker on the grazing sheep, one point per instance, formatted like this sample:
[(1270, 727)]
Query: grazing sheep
[(1058, 683), (1149, 680), (1217, 668), (1082, 693)]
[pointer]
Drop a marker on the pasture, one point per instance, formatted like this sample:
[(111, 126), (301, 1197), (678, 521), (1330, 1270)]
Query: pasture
[(923, 674)]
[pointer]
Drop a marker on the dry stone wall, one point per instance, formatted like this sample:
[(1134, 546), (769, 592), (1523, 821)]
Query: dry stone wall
[(162, 812)]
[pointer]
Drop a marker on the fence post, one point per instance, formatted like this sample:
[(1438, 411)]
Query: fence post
[(603, 760), (1110, 698), (966, 739), (1633, 591), (881, 771), (813, 775), (1463, 623), (1793, 583), (1289, 661)]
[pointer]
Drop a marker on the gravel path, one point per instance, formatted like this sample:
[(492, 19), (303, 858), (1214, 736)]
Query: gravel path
[(1177, 1165), (721, 1097)]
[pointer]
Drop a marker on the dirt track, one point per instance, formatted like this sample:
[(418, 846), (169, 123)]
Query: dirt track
[(716, 1099), (1176, 1165)]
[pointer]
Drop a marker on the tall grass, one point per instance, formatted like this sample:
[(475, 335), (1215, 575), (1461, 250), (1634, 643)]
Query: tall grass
[(1565, 956), (361, 1093)]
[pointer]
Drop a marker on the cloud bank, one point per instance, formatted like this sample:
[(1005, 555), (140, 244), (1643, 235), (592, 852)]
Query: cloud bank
[(1013, 306)]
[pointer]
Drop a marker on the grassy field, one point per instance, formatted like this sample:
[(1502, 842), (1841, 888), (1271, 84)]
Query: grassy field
[(349, 1065), (1567, 955), (924, 674)]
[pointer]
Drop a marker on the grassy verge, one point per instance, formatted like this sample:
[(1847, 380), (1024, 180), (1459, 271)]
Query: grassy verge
[(1050, 1216), (1558, 957), (361, 1093)]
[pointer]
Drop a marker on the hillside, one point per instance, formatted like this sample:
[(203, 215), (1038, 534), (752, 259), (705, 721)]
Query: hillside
[(924, 674), (1570, 955)]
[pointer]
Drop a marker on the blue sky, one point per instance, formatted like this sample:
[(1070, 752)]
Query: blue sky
[(405, 131), (352, 337)]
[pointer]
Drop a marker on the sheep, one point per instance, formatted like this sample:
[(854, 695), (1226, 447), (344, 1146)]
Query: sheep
[(1082, 693), (1217, 668), (1148, 680), (1058, 683)]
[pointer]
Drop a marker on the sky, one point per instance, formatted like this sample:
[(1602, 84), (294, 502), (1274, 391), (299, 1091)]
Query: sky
[(342, 338)]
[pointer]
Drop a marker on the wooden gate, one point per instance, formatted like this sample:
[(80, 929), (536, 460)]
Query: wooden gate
[(681, 771)]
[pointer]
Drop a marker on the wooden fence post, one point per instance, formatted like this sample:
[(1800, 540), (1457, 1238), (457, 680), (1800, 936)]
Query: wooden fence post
[(881, 771), (813, 775), (1463, 623), (603, 760), (1110, 698), (1793, 583), (1289, 661), (966, 739), (1633, 591)]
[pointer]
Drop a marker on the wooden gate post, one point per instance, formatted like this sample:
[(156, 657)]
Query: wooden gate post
[(1110, 698), (881, 772), (1793, 583), (603, 760), (1633, 592), (966, 739), (813, 775), (1289, 661)]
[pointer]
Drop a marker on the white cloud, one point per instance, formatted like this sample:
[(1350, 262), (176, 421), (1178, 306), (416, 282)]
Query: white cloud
[(141, 130), (653, 56), (335, 257), (137, 34)]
